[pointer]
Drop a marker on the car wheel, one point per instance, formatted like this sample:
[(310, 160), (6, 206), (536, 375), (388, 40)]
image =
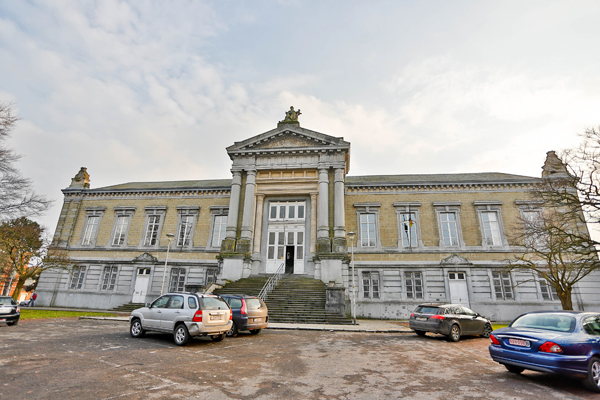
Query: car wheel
[(135, 329), (514, 369), (593, 378), (233, 331), (487, 331), (218, 338), (12, 323), (255, 331), (181, 335), (454, 335), (421, 333)]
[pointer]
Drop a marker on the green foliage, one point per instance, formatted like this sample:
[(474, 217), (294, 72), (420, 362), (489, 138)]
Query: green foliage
[(32, 313)]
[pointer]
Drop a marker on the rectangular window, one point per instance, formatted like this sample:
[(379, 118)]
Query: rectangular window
[(177, 282), (121, 226), (219, 230), (186, 226), (151, 238), (502, 285), (491, 228), (408, 230), (211, 275), (91, 230), (109, 278), (367, 230), (449, 229), (77, 277), (548, 292), (287, 211), (370, 282), (414, 285)]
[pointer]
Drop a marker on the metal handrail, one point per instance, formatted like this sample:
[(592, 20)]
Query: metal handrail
[(272, 282)]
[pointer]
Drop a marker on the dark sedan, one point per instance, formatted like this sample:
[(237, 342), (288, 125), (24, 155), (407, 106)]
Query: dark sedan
[(565, 342), (452, 320), (249, 313), (9, 311)]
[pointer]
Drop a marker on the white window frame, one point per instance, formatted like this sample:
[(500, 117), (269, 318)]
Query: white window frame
[(151, 213), (370, 284), (491, 207), (211, 275), (547, 292), (499, 281), (126, 213), (410, 279), (452, 207), (78, 274), (189, 214), (533, 207), (177, 278), (89, 233), (402, 209), (286, 207), (108, 281), (218, 211), (366, 209)]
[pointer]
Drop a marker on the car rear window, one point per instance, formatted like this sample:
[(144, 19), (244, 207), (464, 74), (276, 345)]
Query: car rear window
[(427, 309), (213, 303), (549, 322), (254, 304), (7, 301)]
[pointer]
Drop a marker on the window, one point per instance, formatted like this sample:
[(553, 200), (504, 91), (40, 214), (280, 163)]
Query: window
[(367, 216), (77, 277), (152, 228), (367, 230), (491, 228), (91, 229), (408, 229), (109, 278), (186, 224), (192, 303), (211, 275), (414, 285), (449, 229), (502, 285), (176, 302), (548, 291), (121, 227), (370, 282), (177, 282), (287, 211), (219, 229)]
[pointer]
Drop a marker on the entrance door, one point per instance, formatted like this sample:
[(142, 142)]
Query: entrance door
[(141, 285), (459, 293), (285, 246), (289, 259)]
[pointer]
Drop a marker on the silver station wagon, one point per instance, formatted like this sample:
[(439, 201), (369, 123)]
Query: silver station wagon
[(185, 315)]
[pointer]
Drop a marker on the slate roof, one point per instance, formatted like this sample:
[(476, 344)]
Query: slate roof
[(166, 185)]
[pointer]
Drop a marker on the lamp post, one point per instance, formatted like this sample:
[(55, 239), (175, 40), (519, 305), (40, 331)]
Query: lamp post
[(351, 235), (170, 237)]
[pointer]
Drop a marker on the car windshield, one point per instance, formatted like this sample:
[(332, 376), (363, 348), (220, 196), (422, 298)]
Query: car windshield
[(427, 309), (214, 303), (253, 304), (591, 325), (7, 301), (549, 322)]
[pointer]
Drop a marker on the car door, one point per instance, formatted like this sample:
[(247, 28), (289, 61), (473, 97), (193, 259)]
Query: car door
[(471, 324), (172, 312), (153, 314)]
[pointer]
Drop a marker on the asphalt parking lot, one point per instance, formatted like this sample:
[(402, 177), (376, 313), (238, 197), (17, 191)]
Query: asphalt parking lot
[(90, 359)]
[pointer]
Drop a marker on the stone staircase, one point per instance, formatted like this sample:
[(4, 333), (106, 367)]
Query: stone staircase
[(297, 299), (129, 307)]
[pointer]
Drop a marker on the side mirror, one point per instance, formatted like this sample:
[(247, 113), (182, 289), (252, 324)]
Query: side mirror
[(148, 305)]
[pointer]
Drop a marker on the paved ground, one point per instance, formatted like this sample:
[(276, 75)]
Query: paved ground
[(95, 359)]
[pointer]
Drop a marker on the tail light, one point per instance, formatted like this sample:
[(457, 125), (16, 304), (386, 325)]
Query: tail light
[(230, 315), (243, 310), (412, 315), (437, 317), (197, 316), (494, 340), (550, 347), (18, 310)]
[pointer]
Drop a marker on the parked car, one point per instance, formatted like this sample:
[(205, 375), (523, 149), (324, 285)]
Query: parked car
[(184, 315), (559, 342), (452, 320), (24, 303), (250, 313), (9, 311)]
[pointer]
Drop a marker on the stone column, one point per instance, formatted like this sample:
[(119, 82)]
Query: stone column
[(244, 243), (260, 198), (313, 223), (323, 242), (228, 244), (339, 220)]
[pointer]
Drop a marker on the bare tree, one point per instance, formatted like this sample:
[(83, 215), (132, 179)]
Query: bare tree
[(16, 195), (25, 253)]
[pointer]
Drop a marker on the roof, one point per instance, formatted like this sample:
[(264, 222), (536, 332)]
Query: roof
[(482, 177), (204, 184)]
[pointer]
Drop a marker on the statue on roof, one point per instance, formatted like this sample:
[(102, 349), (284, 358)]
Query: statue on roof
[(291, 116), (82, 179)]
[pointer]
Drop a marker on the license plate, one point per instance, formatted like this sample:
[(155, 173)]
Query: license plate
[(215, 317), (518, 342), (256, 319), (2, 319), (421, 319)]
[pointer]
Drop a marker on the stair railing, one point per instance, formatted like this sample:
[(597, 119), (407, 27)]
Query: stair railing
[(272, 282)]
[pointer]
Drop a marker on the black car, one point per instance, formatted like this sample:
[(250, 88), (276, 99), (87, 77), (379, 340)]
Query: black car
[(9, 311), (249, 313), (452, 320)]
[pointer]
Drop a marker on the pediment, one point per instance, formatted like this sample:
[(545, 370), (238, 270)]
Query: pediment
[(146, 258), (455, 259)]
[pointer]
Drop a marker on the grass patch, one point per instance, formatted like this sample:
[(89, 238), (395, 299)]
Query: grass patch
[(498, 326), (45, 314)]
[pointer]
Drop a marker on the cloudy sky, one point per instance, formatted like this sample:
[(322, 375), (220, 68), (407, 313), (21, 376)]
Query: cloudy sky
[(155, 90)]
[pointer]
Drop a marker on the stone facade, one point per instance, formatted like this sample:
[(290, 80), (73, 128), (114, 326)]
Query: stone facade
[(290, 205)]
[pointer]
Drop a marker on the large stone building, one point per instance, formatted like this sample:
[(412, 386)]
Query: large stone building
[(290, 204)]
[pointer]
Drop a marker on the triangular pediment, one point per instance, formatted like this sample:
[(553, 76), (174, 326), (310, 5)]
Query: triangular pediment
[(455, 259), (286, 138), (145, 258)]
